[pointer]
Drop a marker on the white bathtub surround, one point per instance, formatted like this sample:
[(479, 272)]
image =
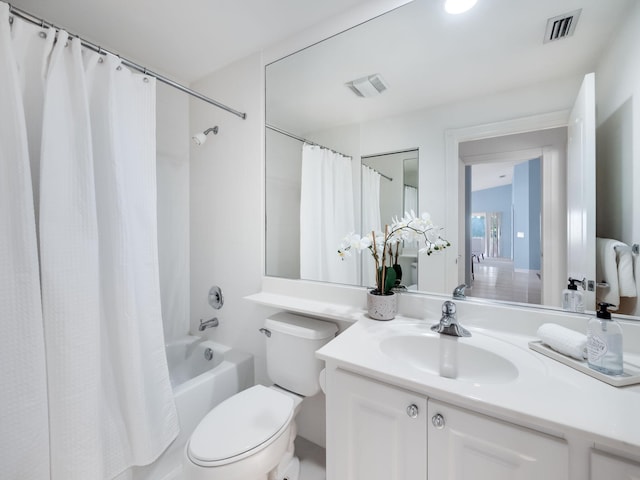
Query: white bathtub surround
[(198, 386), (91, 126)]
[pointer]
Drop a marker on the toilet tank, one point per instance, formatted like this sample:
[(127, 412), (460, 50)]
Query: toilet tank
[(291, 347)]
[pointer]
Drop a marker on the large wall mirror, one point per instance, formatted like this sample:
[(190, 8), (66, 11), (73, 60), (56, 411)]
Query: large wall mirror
[(470, 116)]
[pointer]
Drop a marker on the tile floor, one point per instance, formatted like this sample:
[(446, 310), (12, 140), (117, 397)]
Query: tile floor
[(495, 278), (312, 460)]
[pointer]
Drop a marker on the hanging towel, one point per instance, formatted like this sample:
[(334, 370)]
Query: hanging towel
[(626, 279), (614, 266)]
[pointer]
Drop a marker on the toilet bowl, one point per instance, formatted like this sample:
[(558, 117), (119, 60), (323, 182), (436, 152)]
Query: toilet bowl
[(250, 436), (244, 437)]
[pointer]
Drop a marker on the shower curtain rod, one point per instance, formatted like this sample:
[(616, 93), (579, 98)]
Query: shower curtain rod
[(304, 140), (85, 43), (381, 174), (301, 139)]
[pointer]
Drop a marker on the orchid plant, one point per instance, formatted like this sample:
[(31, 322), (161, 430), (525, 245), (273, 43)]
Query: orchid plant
[(381, 245)]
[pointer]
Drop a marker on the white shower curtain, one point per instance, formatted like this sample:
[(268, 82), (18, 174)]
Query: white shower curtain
[(24, 435), (370, 218), (91, 130), (410, 199), (326, 215)]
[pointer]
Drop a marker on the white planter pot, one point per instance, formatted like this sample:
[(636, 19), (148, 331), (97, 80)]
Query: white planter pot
[(382, 307)]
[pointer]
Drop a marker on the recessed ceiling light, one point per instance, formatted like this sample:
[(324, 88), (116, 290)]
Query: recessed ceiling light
[(455, 7)]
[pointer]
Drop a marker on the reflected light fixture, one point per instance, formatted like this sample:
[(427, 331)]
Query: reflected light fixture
[(200, 138), (368, 86), (455, 7)]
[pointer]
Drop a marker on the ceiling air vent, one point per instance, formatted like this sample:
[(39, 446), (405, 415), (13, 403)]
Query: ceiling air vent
[(368, 86), (561, 26)]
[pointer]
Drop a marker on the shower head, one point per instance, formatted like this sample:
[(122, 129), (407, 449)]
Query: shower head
[(200, 138)]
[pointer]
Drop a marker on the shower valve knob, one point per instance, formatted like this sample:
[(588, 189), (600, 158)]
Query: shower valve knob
[(216, 300)]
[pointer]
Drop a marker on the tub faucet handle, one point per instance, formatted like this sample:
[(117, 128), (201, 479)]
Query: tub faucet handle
[(208, 324)]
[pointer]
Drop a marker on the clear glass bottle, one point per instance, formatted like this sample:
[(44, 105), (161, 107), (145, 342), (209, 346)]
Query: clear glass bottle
[(604, 343), (572, 299)]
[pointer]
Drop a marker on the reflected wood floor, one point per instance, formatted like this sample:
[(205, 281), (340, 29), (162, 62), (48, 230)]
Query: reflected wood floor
[(496, 279)]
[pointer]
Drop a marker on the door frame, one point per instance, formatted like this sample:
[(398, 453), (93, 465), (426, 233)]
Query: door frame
[(455, 209)]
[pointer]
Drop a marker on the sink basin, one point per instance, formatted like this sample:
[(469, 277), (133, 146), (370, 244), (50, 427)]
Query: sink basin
[(462, 359)]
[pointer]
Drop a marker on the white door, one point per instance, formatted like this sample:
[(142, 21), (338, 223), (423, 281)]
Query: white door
[(581, 189), (374, 431), (467, 446)]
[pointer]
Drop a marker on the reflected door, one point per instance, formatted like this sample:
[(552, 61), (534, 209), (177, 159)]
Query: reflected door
[(581, 189)]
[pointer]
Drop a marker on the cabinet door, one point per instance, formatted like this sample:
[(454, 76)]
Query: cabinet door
[(469, 446), (608, 467), (374, 431)]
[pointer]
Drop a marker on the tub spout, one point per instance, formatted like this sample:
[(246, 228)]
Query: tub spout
[(208, 324)]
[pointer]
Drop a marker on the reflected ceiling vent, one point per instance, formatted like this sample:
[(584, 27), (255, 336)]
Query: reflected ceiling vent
[(561, 26), (369, 86)]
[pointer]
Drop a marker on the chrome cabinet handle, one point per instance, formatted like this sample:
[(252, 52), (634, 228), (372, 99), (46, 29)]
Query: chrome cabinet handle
[(412, 410), (438, 421)]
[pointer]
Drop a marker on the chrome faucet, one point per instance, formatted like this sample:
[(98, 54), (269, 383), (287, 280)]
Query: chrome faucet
[(449, 322), (458, 292), (208, 324)]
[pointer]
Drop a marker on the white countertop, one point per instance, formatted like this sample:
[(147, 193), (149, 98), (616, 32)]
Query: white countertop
[(546, 395)]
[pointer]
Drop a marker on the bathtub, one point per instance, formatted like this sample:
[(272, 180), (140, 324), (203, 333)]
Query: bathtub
[(203, 374)]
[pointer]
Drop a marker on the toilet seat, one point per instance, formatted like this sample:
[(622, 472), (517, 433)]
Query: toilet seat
[(240, 426)]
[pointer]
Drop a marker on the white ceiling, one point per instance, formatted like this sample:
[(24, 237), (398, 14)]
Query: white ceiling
[(430, 58), (427, 57), (186, 39), (493, 159)]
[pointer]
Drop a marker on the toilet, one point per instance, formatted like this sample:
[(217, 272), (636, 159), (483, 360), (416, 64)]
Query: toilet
[(250, 435)]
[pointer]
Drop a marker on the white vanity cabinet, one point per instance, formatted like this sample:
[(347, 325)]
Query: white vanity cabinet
[(374, 431), (378, 431), (463, 445), (609, 467)]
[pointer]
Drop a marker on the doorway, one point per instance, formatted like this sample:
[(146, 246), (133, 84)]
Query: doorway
[(503, 220)]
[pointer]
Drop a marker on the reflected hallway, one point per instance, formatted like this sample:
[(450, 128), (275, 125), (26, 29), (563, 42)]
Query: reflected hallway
[(495, 279)]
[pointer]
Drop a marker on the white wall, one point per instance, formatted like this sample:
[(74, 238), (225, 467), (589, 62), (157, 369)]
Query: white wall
[(618, 141), (227, 207), (283, 174), (227, 219), (172, 163)]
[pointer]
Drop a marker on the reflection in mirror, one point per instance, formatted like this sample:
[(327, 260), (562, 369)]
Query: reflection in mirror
[(446, 74), (389, 185), (506, 213)]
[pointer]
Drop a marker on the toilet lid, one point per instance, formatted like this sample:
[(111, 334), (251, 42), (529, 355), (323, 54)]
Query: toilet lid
[(240, 423)]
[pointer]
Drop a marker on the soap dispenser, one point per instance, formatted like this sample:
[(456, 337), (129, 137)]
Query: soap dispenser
[(604, 342), (572, 300)]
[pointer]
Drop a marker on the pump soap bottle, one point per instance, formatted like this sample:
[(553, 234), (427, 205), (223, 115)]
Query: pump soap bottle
[(572, 300), (604, 343)]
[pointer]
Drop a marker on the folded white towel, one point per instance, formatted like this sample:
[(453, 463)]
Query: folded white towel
[(564, 340)]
